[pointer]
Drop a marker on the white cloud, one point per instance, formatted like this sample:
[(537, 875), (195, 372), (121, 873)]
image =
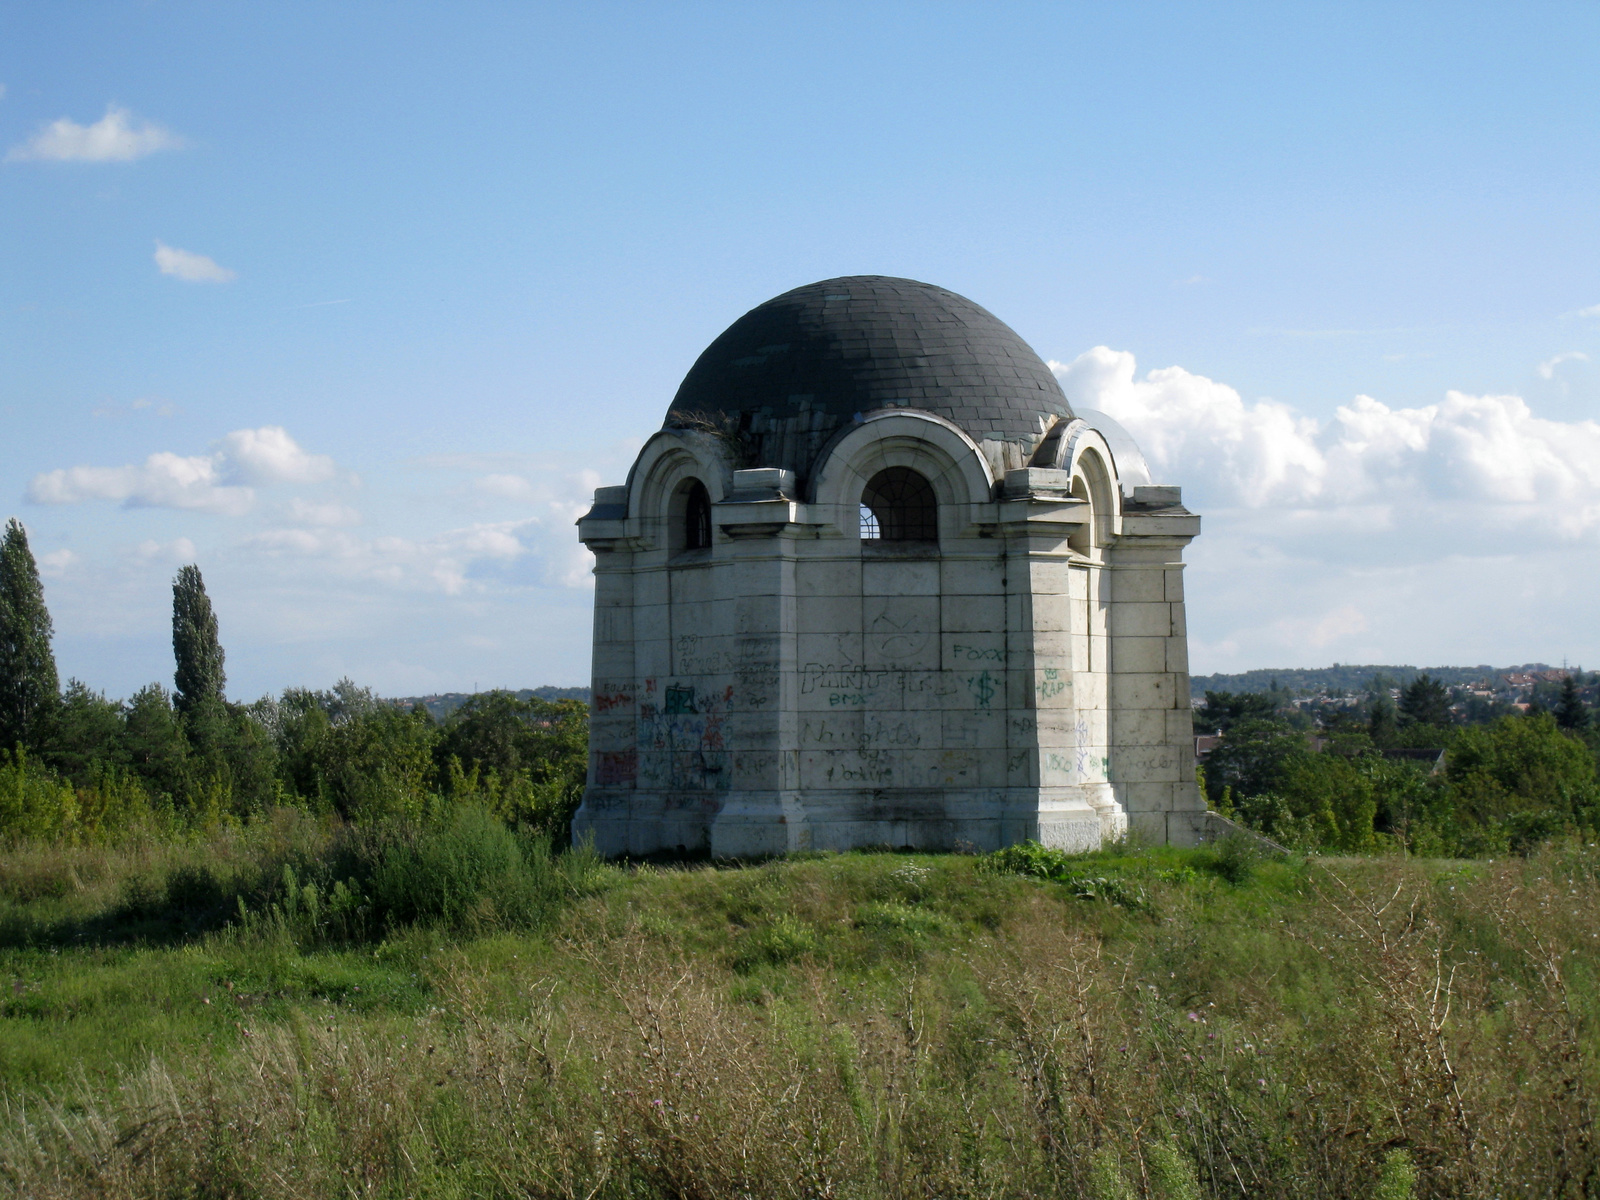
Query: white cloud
[(219, 482), (1460, 531), (1592, 311), (444, 563), (115, 137), (1547, 368), (163, 480), (270, 455), (191, 268), (1461, 462), (54, 565)]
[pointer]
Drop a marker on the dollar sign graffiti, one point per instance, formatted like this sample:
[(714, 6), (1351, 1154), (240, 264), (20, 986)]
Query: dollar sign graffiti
[(982, 688)]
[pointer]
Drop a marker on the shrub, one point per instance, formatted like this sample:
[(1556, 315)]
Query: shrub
[(1120, 886), (468, 872), (34, 804), (783, 941), (1399, 1177)]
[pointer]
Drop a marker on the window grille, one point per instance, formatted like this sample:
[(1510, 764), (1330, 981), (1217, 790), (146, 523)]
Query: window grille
[(898, 505)]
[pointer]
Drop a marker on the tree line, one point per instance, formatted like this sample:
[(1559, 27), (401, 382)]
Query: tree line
[(1414, 773), (77, 766)]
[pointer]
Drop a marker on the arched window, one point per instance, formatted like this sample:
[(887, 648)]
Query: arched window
[(898, 505), (697, 518)]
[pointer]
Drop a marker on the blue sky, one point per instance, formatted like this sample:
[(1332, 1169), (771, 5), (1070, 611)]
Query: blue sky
[(388, 289)]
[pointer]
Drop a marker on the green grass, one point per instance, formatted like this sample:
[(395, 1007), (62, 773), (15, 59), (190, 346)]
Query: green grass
[(1141, 1022)]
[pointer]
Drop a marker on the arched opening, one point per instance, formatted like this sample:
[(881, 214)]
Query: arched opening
[(689, 517), (1081, 539), (898, 505), (697, 518)]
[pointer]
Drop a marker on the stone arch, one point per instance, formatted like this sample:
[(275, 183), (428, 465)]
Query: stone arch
[(661, 481), (1084, 452), (934, 448)]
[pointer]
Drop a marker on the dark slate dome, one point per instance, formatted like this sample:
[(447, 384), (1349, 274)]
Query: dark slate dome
[(789, 373)]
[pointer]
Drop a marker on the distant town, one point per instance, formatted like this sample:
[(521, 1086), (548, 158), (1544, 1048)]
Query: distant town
[(1476, 694)]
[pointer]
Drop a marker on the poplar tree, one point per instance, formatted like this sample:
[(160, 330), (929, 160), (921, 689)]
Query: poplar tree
[(199, 677), (28, 682)]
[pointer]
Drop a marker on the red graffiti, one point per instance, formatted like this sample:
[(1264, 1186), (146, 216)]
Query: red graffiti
[(616, 767)]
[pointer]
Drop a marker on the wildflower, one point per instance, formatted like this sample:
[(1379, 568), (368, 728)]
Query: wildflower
[(1194, 1016)]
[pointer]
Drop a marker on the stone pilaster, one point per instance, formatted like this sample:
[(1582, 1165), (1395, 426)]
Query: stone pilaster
[(1152, 739)]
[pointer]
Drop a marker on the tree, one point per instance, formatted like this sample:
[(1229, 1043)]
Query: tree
[(1252, 757), (1524, 775), (1424, 701), (199, 676), (28, 681), (1223, 710), (83, 737), (1381, 721), (1570, 711), (156, 747), (528, 757)]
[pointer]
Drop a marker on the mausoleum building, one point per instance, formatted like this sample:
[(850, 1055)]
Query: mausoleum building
[(876, 582)]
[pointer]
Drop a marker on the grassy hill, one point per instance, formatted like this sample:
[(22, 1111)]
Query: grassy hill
[(482, 1019)]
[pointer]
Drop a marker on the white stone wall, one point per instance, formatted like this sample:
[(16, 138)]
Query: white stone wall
[(794, 687)]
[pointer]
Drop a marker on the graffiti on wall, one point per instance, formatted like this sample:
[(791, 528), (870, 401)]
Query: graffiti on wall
[(681, 739)]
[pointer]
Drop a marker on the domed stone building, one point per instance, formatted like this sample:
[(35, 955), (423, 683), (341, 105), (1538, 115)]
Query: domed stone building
[(875, 582)]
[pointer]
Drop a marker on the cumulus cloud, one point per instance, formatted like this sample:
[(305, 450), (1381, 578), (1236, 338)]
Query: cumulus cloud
[(270, 455), (191, 268), (445, 562), (221, 482), (1459, 531), (1488, 456), (164, 480), (116, 137)]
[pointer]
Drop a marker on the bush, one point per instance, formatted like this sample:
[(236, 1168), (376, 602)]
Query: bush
[(1235, 857), (34, 804), (470, 872), (1120, 882)]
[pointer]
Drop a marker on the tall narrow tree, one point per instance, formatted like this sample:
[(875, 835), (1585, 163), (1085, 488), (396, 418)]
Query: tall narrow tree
[(199, 676), (28, 682)]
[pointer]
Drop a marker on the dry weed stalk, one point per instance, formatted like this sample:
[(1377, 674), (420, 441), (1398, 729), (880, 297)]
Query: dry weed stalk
[(1398, 949)]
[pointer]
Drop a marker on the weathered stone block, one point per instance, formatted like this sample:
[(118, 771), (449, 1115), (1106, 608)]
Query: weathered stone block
[(1141, 620)]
